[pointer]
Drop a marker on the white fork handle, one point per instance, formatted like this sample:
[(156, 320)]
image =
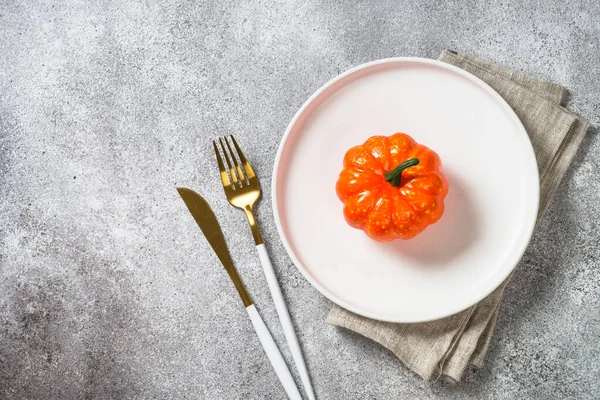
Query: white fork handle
[(281, 369), (284, 318)]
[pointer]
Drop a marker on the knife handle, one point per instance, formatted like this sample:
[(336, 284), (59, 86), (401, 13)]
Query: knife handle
[(268, 344)]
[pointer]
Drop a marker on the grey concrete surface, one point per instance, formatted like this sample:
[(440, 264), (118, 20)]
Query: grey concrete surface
[(108, 290)]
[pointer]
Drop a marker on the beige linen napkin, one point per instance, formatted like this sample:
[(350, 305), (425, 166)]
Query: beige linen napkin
[(444, 348)]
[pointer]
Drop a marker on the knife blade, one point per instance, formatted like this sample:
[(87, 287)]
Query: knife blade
[(208, 223)]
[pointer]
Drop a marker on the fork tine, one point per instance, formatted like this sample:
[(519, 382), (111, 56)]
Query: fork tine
[(231, 170), (249, 171), (237, 166), (224, 177)]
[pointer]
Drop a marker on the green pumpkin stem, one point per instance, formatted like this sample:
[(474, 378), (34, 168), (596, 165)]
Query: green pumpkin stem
[(395, 176)]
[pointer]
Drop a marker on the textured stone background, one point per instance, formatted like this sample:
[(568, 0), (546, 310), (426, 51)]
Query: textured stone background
[(108, 290)]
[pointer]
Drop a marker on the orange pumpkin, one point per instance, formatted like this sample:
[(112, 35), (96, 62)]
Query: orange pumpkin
[(392, 187)]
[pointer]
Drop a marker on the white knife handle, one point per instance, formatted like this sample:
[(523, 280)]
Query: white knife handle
[(281, 369), (284, 318)]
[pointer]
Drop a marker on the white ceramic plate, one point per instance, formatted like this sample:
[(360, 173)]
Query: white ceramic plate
[(491, 205)]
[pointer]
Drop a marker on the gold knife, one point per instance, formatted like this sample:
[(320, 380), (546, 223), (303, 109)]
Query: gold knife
[(207, 221)]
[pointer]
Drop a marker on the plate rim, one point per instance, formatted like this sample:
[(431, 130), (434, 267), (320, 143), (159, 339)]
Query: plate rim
[(274, 186)]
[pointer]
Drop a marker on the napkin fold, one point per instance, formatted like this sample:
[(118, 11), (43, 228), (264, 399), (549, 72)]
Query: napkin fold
[(444, 348)]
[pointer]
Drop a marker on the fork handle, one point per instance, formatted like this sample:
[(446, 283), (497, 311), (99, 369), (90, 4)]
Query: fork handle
[(284, 318), (273, 353)]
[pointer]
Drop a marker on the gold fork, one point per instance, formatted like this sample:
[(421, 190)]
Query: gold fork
[(242, 191)]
